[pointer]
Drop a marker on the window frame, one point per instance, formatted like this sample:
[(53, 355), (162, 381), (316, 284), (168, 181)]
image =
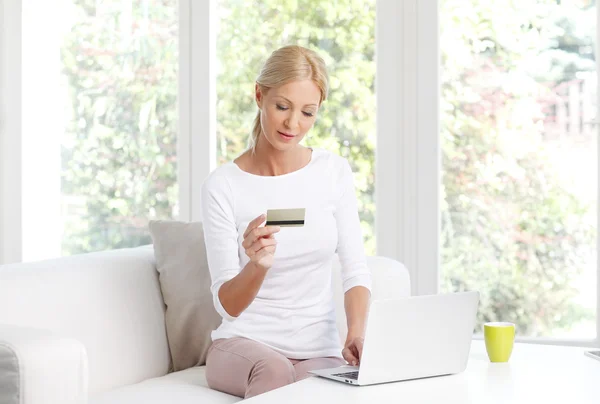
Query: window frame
[(407, 163), (10, 131), (197, 139)]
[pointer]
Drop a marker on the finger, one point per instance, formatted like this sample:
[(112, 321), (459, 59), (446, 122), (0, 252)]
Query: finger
[(267, 250), (355, 353), (250, 253), (259, 232), (254, 224), (262, 253), (262, 243), (349, 356), (359, 346)]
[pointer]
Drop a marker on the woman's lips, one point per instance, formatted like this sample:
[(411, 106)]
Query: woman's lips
[(285, 135)]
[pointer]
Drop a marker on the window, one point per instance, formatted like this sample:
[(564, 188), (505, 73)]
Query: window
[(343, 33), (99, 123), (519, 162)]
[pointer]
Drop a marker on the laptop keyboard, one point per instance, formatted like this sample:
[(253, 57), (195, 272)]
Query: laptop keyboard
[(349, 375)]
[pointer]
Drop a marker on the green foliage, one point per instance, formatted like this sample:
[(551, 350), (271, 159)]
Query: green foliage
[(508, 228), (119, 152)]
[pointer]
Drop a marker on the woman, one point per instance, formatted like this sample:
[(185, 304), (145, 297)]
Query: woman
[(272, 285)]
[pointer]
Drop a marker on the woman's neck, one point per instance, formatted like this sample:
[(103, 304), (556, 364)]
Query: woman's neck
[(268, 161)]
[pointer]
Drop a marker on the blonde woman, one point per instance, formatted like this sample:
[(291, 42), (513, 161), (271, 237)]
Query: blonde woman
[(272, 285)]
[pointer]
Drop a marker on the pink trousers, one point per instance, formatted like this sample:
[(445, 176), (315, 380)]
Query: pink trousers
[(247, 368)]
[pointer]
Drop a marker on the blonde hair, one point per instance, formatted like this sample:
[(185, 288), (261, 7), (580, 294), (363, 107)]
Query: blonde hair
[(286, 64)]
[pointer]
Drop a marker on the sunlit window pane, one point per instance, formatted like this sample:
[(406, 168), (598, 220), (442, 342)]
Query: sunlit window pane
[(520, 161), (99, 123)]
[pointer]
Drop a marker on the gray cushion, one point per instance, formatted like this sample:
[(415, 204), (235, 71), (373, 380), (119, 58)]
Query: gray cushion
[(185, 283)]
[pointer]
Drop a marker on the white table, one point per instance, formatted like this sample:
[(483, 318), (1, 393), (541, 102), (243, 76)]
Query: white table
[(535, 374)]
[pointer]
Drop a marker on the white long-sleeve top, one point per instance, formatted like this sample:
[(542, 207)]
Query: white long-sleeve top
[(293, 312)]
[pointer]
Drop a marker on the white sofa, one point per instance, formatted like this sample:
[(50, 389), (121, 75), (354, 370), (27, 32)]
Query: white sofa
[(90, 329)]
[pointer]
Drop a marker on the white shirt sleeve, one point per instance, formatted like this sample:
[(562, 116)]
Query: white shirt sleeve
[(220, 235), (350, 246)]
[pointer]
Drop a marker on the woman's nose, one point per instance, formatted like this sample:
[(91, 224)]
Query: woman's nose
[(292, 122)]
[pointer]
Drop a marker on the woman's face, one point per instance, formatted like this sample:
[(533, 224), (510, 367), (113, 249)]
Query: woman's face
[(288, 112)]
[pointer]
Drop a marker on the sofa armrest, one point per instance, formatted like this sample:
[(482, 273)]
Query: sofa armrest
[(37, 367), (390, 280)]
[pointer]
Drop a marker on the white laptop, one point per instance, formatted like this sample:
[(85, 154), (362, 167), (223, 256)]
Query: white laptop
[(412, 338)]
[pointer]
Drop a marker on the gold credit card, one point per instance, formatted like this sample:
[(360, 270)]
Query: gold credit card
[(285, 217)]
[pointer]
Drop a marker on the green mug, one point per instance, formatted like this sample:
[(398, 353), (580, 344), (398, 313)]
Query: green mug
[(499, 340)]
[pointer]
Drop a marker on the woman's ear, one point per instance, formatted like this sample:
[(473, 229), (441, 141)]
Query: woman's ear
[(258, 95)]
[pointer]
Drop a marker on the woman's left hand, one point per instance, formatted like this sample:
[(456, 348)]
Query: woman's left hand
[(353, 348)]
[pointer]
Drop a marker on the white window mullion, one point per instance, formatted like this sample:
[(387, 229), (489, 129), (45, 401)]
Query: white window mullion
[(408, 176), (388, 152), (203, 105), (184, 101), (407, 139), (10, 132), (396, 173), (428, 146), (197, 136)]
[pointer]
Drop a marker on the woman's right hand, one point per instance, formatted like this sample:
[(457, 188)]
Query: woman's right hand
[(260, 243)]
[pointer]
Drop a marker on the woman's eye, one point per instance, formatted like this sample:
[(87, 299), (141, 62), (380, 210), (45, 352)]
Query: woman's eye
[(284, 108)]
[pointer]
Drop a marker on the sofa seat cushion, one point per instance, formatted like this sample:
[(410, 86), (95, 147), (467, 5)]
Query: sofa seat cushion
[(184, 387)]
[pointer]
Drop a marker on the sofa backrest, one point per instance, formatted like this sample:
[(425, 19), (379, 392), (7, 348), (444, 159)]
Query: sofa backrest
[(110, 301)]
